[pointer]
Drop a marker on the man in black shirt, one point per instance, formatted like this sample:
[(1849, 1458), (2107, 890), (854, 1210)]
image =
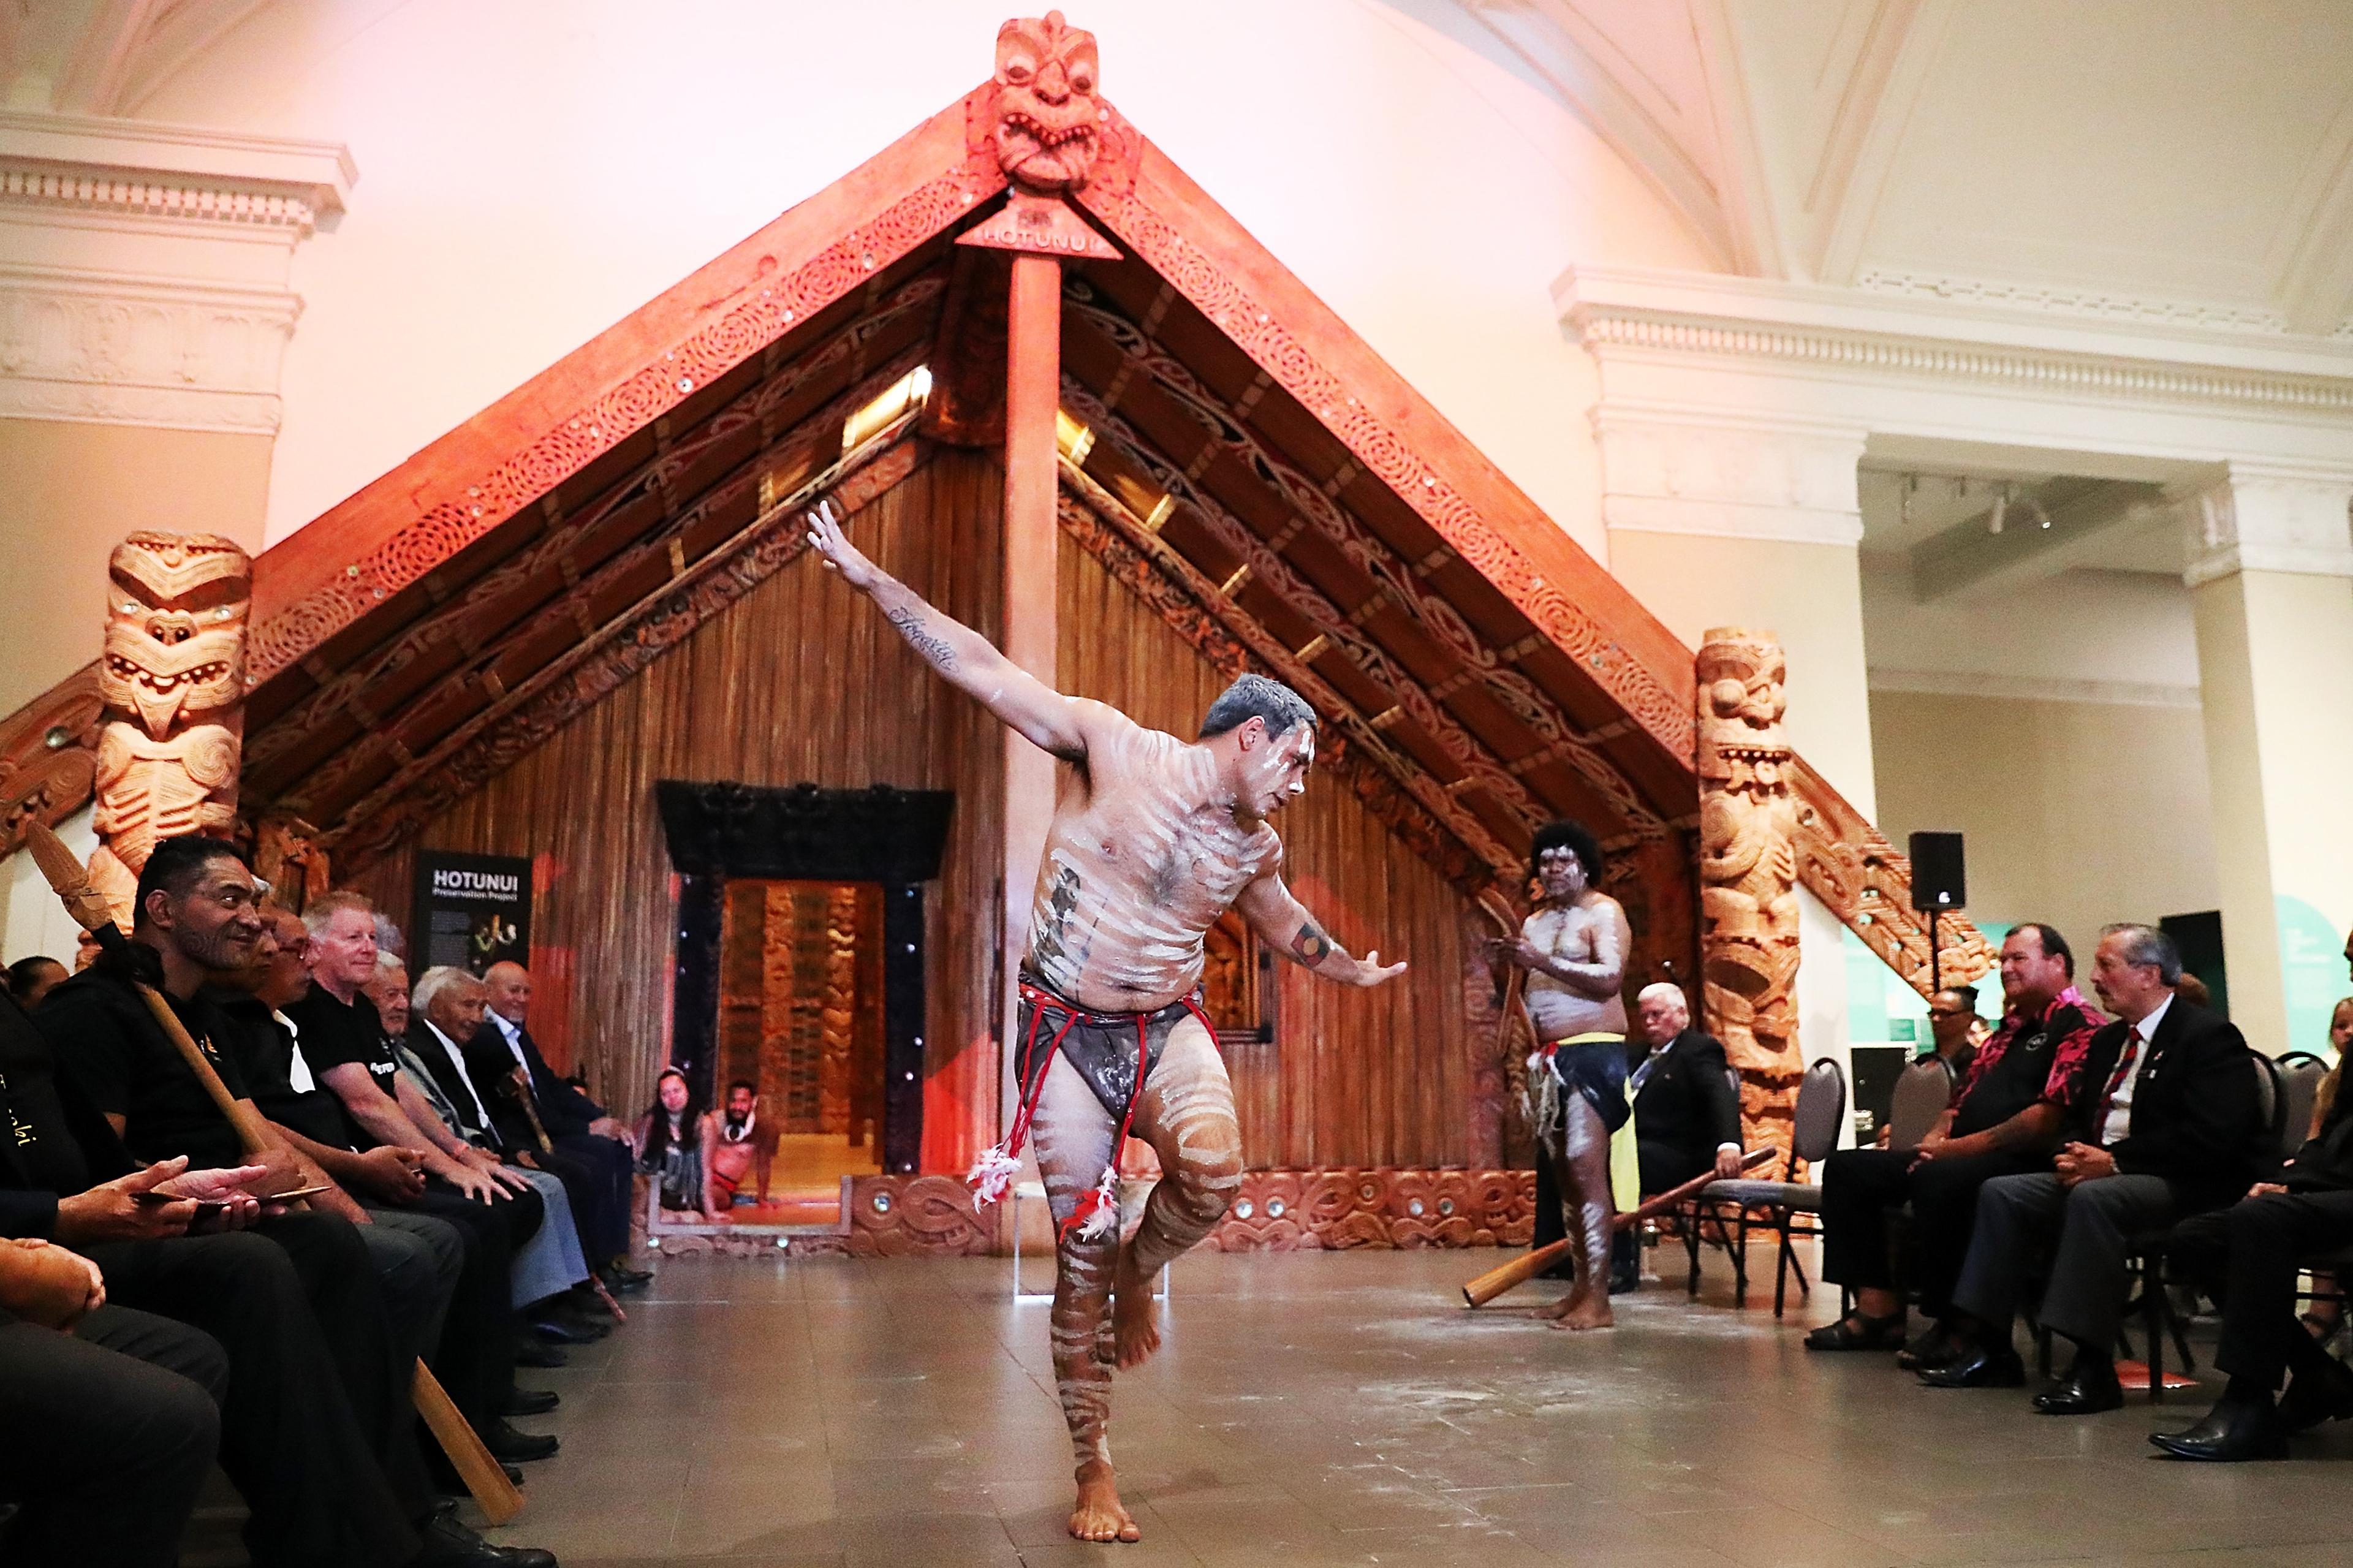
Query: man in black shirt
[(343, 1041), (2023, 1093), (317, 1430)]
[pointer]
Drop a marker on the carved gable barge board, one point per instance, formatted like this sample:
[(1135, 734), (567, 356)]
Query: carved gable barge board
[(513, 453)]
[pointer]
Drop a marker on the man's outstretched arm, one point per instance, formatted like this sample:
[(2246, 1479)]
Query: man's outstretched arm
[(966, 659), (1282, 922)]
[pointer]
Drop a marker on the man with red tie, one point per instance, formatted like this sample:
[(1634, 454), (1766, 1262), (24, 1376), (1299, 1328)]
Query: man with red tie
[(2174, 1134)]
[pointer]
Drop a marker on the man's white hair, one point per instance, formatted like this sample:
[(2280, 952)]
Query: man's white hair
[(387, 961), (1661, 991), (434, 982)]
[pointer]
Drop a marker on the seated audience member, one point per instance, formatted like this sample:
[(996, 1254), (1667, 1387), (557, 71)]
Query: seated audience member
[(2324, 1315), (1952, 1032), (343, 1041), (2173, 1133), (2247, 1258), (125, 1407), (2193, 991), (744, 1145), (1686, 1116), (677, 1135), (317, 1431), (506, 1065), (30, 979), (547, 1270), (2031, 1086)]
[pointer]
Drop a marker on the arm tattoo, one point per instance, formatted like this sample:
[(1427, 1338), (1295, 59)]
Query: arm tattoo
[(1310, 946), (909, 619)]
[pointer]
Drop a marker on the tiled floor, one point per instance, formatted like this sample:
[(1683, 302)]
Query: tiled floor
[(1316, 1409)]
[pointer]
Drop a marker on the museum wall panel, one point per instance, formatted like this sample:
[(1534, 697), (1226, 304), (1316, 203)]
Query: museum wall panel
[(2075, 813), (801, 680)]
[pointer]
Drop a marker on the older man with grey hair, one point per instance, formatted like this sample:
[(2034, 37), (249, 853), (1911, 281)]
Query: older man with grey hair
[(1686, 1112), (2172, 1134)]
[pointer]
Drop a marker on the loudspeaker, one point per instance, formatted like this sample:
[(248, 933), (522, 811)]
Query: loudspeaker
[(1938, 880)]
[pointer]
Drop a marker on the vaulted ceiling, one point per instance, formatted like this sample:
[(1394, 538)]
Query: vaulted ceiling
[(2186, 162)]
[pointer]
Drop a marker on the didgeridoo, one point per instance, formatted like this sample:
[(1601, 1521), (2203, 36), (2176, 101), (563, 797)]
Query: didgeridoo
[(484, 1476), (1528, 1264)]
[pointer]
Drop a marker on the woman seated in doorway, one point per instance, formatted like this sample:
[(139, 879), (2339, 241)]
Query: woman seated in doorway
[(674, 1143)]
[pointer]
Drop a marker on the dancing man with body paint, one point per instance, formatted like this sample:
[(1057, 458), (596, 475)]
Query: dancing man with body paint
[(1153, 839)]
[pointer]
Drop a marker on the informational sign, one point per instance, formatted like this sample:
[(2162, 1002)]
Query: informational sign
[(471, 911)]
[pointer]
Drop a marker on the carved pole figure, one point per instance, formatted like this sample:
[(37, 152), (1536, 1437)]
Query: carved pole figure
[(1574, 949), (173, 678), (1151, 841), (1748, 874)]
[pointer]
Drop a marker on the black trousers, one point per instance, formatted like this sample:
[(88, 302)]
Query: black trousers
[(600, 1199), (1861, 1185), (106, 1434), (1666, 1165), (475, 1360), (317, 1429), (2245, 1258)]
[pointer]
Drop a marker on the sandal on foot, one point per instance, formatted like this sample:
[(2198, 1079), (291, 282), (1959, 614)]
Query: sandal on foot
[(1858, 1333)]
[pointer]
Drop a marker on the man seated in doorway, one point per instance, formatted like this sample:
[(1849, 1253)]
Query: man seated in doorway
[(743, 1145), (2247, 1258), (2172, 1133), (342, 1039), (505, 1063), (2027, 1090)]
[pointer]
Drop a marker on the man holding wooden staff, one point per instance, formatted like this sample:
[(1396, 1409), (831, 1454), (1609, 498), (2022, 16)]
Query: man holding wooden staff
[(1574, 948), (328, 1460)]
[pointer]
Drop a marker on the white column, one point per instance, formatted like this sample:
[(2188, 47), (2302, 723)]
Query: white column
[(2271, 572), (1716, 521)]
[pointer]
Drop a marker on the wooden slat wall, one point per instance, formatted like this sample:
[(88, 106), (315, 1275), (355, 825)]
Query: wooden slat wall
[(801, 680), (1355, 1077)]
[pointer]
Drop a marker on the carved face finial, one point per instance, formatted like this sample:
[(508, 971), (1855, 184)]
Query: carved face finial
[(175, 616), (1740, 676), (1048, 119)]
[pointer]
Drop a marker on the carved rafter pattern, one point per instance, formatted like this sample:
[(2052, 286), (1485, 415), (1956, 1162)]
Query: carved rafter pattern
[(1216, 292), (502, 735), (1339, 714), (851, 262), (1374, 775), (49, 757), (1405, 588), (1864, 880), (482, 618)]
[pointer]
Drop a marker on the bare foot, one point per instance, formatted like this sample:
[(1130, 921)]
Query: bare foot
[(1099, 1516), (1568, 1303), (1134, 1319), (1591, 1313)]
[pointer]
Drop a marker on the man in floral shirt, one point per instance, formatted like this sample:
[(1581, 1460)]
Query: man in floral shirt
[(2029, 1089)]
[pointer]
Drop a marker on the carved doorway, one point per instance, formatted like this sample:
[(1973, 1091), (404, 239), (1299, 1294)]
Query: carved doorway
[(798, 1078), (799, 968)]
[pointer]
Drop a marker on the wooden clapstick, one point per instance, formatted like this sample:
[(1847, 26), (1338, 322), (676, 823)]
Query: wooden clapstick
[(1527, 1265), (519, 1082), (484, 1476)]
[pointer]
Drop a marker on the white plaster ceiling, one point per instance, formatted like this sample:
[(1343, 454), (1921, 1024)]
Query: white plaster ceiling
[(2188, 161)]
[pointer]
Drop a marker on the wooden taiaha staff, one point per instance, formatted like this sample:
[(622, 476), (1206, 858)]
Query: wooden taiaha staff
[(519, 1082), (1519, 1271), (498, 1498)]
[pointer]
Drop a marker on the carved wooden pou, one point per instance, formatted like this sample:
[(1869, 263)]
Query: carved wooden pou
[(173, 678), (1748, 875)]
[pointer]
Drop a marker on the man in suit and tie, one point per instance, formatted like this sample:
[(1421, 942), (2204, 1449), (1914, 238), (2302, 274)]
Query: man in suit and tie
[(591, 1150), (1686, 1115), (2173, 1133), (2247, 1256)]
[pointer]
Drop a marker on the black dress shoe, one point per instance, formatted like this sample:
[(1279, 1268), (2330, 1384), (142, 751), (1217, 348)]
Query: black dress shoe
[(450, 1544), (540, 1353), (1937, 1344), (2230, 1432), (1624, 1284), (1978, 1367), (521, 1447), (622, 1277), (2316, 1396), (563, 1328), (532, 1401), (2090, 1388)]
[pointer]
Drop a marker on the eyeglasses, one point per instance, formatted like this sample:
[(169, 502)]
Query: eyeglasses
[(1948, 1012)]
